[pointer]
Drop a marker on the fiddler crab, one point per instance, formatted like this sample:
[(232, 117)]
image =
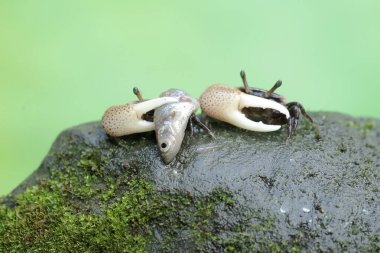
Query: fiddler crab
[(169, 115), (174, 111), (132, 118), (251, 108)]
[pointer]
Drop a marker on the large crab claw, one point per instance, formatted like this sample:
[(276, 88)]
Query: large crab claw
[(225, 104), (128, 119)]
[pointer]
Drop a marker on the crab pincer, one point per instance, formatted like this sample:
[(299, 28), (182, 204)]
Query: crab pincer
[(270, 116), (128, 119), (227, 104)]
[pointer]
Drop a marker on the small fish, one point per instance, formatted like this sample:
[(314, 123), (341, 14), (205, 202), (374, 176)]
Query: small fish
[(171, 121)]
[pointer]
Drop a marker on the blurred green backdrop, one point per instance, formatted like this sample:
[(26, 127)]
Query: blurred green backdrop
[(63, 63)]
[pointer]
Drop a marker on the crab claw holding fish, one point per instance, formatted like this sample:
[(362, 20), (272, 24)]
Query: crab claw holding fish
[(226, 104), (128, 119)]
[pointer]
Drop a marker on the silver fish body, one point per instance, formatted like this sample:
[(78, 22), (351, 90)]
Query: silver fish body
[(171, 121)]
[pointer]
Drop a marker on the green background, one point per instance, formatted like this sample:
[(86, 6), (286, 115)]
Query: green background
[(62, 63)]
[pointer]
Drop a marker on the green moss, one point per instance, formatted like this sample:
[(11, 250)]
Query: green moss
[(48, 217), (364, 127), (317, 134), (83, 208), (44, 219), (68, 212)]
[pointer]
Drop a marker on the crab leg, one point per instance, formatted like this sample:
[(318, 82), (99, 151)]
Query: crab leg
[(225, 104), (197, 121)]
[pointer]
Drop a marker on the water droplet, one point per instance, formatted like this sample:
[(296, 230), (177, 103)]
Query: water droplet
[(291, 160), (284, 207), (305, 209), (365, 211), (175, 172)]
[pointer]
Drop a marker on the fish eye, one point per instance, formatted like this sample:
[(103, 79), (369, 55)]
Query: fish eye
[(164, 146)]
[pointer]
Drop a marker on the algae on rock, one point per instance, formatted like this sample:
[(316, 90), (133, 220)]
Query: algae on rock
[(242, 192)]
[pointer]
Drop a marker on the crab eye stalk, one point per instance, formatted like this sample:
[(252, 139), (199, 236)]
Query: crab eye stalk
[(137, 92), (242, 74), (272, 90), (245, 83)]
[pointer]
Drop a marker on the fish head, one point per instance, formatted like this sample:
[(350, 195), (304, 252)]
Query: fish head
[(168, 142)]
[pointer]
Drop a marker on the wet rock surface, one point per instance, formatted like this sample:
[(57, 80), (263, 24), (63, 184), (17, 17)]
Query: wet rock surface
[(242, 191)]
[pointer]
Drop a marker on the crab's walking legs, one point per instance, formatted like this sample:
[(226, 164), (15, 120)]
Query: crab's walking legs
[(194, 119), (295, 109)]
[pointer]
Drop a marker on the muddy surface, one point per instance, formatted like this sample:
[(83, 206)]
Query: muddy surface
[(319, 192)]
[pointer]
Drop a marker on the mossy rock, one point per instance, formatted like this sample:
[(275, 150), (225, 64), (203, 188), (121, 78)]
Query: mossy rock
[(240, 192)]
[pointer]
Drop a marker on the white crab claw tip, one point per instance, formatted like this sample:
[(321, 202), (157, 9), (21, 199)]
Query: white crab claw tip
[(146, 106), (254, 101), (240, 120)]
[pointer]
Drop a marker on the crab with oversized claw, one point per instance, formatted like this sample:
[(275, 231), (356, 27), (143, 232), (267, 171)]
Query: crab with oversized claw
[(136, 117), (252, 109)]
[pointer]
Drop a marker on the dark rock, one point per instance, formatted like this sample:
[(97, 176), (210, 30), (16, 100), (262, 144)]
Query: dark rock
[(243, 191)]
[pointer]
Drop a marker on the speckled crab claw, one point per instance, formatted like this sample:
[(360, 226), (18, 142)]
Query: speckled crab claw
[(128, 119), (226, 104)]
